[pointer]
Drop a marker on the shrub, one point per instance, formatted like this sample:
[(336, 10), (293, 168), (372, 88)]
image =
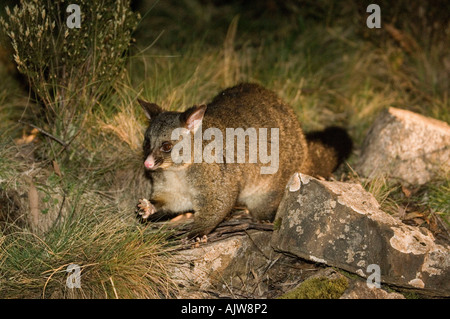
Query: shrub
[(70, 70)]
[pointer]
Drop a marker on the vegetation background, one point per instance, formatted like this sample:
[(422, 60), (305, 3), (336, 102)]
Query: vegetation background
[(71, 130)]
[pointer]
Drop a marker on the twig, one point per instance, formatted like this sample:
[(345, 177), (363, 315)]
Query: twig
[(270, 265), (45, 133), (230, 228), (67, 144)]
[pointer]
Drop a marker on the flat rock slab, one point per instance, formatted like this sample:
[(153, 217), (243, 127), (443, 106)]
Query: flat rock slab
[(341, 225), (240, 266), (406, 146), (223, 265)]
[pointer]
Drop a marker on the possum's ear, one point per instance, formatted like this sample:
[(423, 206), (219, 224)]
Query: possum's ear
[(150, 109), (192, 118)]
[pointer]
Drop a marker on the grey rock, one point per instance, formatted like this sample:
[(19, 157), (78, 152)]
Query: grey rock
[(241, 266), (406, 146), (341, 225), (224, 265)]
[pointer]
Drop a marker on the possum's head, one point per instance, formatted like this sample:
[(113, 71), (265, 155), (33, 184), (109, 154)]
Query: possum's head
[(158, 141)]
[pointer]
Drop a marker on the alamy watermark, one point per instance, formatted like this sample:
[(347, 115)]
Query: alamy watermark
[(374, 19), (74, 277), (74, 19), (214, 152), (374, 280)]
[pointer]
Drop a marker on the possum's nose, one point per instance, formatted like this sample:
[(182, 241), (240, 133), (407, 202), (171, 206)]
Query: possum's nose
[(149, 162)]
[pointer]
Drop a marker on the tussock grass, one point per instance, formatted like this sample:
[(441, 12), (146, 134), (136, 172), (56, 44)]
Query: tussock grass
[(117, 260)]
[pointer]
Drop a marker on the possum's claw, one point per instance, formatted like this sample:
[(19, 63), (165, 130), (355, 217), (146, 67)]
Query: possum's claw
[(198, 241), (194, 242), (145, 208)]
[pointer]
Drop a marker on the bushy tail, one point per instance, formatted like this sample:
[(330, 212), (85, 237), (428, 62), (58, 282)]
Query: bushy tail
[(328, 149)]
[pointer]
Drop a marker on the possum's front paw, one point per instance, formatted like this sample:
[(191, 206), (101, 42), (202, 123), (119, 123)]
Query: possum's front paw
[(145, 208)]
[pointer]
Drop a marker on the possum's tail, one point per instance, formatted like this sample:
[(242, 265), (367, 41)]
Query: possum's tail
[(328, 149)]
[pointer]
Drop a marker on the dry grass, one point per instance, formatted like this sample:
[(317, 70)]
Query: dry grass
[(382, 189)]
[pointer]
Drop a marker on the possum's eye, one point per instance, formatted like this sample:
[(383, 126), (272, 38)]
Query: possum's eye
[(166, 147)]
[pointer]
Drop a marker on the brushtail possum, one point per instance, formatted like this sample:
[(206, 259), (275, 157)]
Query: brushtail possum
[(234, 170)]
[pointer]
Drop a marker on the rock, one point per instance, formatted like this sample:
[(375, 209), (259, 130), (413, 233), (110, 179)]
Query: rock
[(341, 225), (212, 265), (406, 146), (359, 290), (241, 266)]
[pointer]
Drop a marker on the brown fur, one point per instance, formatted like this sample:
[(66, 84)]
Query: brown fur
[(212, 190)]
